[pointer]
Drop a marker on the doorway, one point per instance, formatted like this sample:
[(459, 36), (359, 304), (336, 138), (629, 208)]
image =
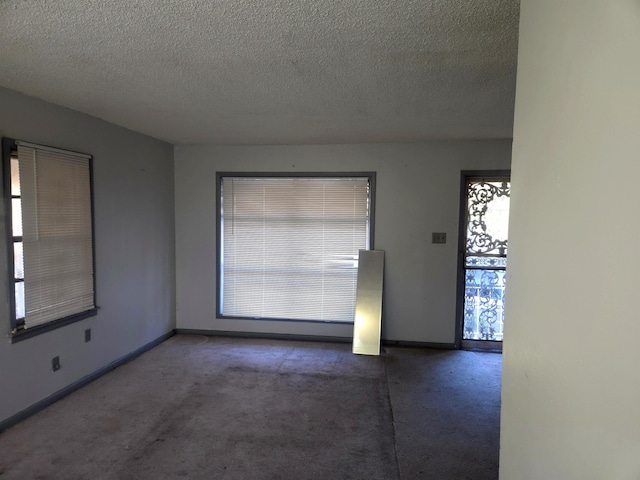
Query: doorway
[(482, 261)]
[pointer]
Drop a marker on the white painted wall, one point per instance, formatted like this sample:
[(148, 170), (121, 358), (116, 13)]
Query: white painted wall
[(135, 262), (571, 371), (418, 189)]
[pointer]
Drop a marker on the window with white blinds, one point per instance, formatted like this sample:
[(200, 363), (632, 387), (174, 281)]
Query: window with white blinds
[(52, 236), (288, 245)]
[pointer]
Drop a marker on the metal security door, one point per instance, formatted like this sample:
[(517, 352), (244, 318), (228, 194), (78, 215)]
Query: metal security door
[(483, 259)]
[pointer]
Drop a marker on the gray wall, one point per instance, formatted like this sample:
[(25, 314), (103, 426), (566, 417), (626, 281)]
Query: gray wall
[(135, 256), (418, 188), (571, 381)]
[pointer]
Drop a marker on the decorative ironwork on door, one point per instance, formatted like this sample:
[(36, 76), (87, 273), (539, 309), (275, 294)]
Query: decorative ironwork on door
[(485, 257)]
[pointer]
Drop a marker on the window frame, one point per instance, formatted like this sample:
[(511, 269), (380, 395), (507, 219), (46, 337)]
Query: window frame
[(467, 176), (17, 330), (370, 175)]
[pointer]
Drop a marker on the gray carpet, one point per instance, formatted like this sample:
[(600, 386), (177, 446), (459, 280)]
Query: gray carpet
[(222, 408)]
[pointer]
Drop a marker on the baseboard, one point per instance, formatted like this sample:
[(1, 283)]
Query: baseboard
[(271, 336), (310, 338), (404, 343), (51, 399)]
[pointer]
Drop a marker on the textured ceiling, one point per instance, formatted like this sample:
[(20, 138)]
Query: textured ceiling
[(271, 71)]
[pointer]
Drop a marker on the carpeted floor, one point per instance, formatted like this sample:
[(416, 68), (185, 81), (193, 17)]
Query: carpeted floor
[(225, 408)]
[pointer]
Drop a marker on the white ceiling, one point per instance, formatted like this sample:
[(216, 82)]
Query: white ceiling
[(271, 71)]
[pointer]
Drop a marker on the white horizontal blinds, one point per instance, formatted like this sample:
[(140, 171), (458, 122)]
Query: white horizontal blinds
[(57, 234), (290, 246)]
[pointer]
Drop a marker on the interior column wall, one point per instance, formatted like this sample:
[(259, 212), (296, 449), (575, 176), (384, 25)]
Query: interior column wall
[(571, 395)]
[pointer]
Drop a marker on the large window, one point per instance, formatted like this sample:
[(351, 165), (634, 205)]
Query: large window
[(288, 245), (50, 236)]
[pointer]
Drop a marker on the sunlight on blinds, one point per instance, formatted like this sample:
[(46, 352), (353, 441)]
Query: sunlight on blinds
[(290, 246)]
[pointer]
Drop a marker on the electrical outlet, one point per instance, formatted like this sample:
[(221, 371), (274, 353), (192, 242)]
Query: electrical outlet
[(55, 363), (87, 335), (438, 237)]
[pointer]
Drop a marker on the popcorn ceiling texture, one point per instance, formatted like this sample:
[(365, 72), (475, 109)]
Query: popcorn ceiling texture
[(271, 71)]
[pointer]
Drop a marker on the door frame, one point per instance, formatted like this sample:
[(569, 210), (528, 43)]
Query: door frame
[(462, 237)]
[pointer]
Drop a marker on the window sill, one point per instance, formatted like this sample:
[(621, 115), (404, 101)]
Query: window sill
[(47, 327)]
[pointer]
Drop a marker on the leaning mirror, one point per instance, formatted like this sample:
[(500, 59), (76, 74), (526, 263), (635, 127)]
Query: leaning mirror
[(368, 315)]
